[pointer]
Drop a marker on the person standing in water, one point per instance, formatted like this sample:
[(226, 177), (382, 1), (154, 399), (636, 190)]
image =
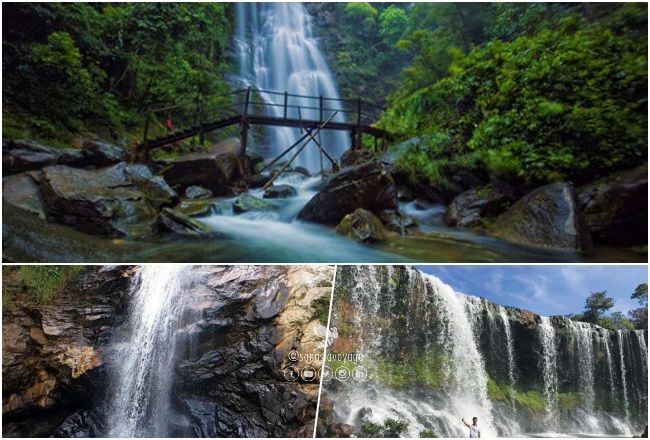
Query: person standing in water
[(474, 430)]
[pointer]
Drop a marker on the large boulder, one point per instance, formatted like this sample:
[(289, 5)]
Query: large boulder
[(155, 188), (616, 207), (97, 202), (367, 186), (19, 155), (361, 225), (549, 216), (100, 153), (471, 207), (22, 190), (216, 173)]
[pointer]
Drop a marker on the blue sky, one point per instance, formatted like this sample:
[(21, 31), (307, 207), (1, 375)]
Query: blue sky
[(546, 290)]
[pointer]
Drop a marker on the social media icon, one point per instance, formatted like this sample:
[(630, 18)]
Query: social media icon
[(291, 374), (293, 356), (308, 374), (359, 373), (326, 373), (342, 373)]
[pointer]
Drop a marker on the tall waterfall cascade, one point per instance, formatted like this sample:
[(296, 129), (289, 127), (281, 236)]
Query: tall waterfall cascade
[(277, 52), (521, 374), (140, 401)]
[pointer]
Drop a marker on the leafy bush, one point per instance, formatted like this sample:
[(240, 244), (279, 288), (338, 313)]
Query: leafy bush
[(391, 428), (568, 102)]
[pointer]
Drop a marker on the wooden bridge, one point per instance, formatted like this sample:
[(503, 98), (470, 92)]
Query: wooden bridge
[(247, 107)]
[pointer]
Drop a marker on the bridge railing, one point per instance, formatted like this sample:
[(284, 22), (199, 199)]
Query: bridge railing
[(192, 114), (287, 105)]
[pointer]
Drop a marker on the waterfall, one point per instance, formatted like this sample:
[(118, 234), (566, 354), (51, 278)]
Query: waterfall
[(621, 351), (586, 362), (520, 373), (140, 400), (510, 345), (277, 52), (549, 365)]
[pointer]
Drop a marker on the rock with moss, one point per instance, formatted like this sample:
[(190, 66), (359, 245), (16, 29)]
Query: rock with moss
[(197, 192), (473, 206), (549, 217), (97, 202), (175, 221), (22, 190), (247, 202), (155, 188), (363, 226), (198, 208), (280, 191)]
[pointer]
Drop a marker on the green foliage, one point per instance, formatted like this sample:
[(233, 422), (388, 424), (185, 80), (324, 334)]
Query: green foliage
[(616, 321), (363, 14), (321, 309), (425, 369), (40, 284), (393, 22), (564, 99), (532, 400), (569, 401), (86, 66), (427, 433), (596, 304), (391, 428), (641, 294), (640, 315)]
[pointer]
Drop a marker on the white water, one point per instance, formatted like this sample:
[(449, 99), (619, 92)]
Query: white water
[(277, 235), (626, 404), (140, 399), (277, 52), (510, 345), (549, 367)]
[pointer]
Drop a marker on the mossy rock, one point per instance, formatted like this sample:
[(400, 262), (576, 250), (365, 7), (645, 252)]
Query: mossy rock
[(363, 226), (247, 202), (197, 208)]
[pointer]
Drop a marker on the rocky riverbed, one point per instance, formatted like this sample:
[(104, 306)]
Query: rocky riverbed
[(369, 200)]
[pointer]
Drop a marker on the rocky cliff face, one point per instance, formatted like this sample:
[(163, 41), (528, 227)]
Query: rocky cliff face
[(236, 331), (52, 357)]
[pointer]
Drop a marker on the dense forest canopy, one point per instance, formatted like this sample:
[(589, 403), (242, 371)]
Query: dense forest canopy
[(83, 66), (530, 92)]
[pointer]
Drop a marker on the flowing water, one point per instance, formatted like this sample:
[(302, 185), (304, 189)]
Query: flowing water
[(457, 356), (139, 402), (278, 52)]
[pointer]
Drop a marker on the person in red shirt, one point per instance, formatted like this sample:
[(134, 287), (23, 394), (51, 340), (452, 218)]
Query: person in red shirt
[(169, 124)]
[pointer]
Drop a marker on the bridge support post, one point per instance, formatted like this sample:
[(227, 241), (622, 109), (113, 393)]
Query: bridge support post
[(358, 141), (243, 134)]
